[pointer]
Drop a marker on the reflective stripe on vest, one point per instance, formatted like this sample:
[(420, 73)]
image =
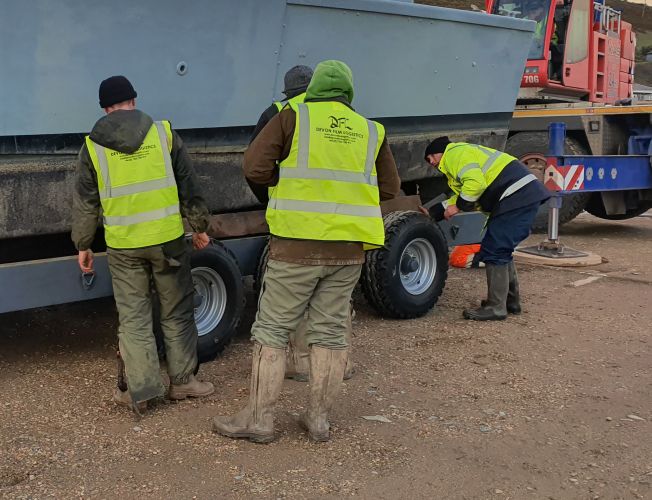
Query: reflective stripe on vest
[(152, 215), (466, 168), (460, 162), (326, 207), (296, 99), (299, 181), (522, 182), (138, 211), (141, 187), (492, 156), (302, 171), (468, 197)]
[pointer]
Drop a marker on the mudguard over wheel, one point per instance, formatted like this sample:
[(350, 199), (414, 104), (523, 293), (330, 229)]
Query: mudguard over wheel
[(531, 148), (219, 298), (596, 207), (405, 278)]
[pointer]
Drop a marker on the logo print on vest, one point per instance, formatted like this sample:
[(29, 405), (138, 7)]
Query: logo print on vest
[(339, 122)]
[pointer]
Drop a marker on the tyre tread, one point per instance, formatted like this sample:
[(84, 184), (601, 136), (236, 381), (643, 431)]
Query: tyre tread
[(218, 347), (375, 285)]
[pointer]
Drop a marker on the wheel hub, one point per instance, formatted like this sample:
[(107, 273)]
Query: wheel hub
[(536, 164), (209, 300), (409, 264), (418, 266)]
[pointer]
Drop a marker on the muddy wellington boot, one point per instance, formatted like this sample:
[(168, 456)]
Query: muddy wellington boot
[(513, 295), (256, 420), (495, 307), (350, 367), (298, 354), (191, 389), (326, 374)]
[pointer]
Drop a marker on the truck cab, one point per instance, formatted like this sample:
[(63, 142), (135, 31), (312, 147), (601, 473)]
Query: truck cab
[(581, 50)]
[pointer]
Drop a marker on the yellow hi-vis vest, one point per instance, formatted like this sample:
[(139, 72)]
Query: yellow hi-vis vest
[(296, 99), (138, 191), (328, 187), (471, 168)]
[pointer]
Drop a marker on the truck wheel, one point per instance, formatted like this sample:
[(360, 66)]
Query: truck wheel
[(260, 269), (531, 149), (218, 301), (219, 298), (405, 278), (595, 207)]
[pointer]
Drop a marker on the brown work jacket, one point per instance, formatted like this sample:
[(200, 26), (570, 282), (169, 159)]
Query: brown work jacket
[(261, 160)]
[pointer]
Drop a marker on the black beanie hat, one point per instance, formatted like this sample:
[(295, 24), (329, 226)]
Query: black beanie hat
[(116, 89), (437, 146)]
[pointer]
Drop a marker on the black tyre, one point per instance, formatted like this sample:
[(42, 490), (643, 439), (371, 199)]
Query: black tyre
[(260, 268), (531, 148), (405, 278), (595, 207), (219, 298)]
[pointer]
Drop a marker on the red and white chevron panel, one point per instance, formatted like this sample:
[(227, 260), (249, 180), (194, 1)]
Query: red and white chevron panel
[(565, 178)]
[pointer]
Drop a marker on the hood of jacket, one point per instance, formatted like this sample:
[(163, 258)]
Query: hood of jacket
[(122, 130), (331, 79)]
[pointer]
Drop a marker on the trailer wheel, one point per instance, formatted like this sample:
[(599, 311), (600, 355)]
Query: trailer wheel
[(219, 298), (260, 268), (218, 301), (405, 278), (595, 207), (531, 149)]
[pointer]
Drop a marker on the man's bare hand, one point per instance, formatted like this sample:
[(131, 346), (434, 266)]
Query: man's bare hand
[(85, 260), (424, 210), (450, 211), (200, 240)]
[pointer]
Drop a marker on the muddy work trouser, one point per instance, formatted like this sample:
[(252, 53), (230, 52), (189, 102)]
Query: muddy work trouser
[(133, 272), (291, 290), (299, 350)]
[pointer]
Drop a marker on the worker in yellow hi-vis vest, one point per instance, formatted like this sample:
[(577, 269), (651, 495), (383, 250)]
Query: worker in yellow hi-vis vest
[(296, 82), (327, 168), (485, 179), (137, 174)]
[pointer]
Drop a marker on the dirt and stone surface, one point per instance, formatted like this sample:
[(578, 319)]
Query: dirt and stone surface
[(553, 404)]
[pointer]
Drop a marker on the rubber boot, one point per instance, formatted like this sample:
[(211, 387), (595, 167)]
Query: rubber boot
[(350, 367), (256, 420), (495, 307), (513, 295), (326, 374), (298, 354), (191, 389)]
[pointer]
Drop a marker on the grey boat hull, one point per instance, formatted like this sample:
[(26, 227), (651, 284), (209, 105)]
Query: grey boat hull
[(212, 66)]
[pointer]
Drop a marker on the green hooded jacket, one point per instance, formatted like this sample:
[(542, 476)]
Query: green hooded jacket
[(331, 80)]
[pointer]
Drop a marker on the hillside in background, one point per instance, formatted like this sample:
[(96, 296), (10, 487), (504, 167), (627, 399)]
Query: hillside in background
[(638, 15)]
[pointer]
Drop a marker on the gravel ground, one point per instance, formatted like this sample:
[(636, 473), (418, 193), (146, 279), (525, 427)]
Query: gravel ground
[(555, 403)]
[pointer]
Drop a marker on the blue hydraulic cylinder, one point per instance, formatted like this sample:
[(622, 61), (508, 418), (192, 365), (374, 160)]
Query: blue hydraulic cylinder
[(556, 139)]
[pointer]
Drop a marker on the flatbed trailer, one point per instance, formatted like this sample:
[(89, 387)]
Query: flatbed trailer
[(211, 71), (591, 130)]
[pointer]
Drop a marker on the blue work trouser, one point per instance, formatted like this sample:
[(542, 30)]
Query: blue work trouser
[(504, 232)]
